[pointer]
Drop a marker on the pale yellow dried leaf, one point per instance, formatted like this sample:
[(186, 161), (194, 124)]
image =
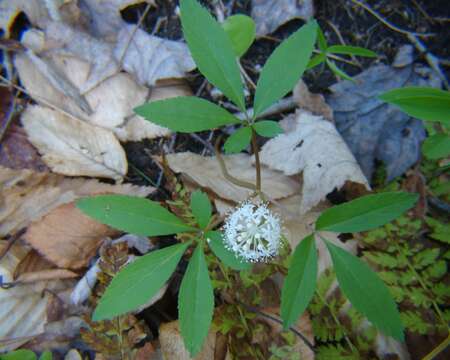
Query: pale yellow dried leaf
[(26, 196), (313, 147), (150, 58), (23, 308), (137, 128), (72, 147), (45, 275), (172, 345), (205, 171)]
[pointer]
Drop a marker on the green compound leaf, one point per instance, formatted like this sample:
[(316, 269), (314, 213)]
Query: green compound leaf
[(338, 72), (268, 128), (195, 303), (46, 355), (366, 212), (421, 102), (21, 354), (351, 50), (238, 141), (215, 242), (436, 146), (138, 282), (212, 50), (300, 282), (321, 40), (241, 30), (316, 60), (201, 208), (132, 214), (367, 293), (186, 114), (284, 67)]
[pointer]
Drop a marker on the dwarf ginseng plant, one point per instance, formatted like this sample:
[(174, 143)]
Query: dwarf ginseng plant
[(252, 232)]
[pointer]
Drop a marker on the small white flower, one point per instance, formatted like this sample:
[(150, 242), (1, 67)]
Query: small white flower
[(252, 232)]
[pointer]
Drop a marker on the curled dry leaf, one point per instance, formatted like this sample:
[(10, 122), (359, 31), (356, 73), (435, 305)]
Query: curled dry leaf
[(151, 58), (315, 103), (269, 14), (67, 237), (72, 147), (26, 196), (23, 308), (136, 128), (313, 146), (172, 345), (206, 172), (105, 17), (62, 39)]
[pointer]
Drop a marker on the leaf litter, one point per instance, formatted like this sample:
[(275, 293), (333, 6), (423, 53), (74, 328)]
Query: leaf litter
[(87, 69)]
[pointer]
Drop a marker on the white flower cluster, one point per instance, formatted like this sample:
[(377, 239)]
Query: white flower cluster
[(252, 232)]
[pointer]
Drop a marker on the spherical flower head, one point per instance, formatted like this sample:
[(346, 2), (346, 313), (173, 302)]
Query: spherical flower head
[(252, 232)]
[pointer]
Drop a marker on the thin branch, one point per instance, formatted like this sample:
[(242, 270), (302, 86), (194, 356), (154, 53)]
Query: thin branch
[(226, 174), (387, 23), (279, 321)]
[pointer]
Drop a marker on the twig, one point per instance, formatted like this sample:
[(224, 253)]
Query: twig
[(202, 141), (138, 25), (279, 321), (437, 350), (9, 119), (40, 99), (11, 241), (341, 39), (387, 23), (246, 76), (432, 60)]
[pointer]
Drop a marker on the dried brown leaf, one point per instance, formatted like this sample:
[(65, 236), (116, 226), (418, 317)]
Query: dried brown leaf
[(67, 237), (205, 171), (72, 147), (172, 345), (26, 196)]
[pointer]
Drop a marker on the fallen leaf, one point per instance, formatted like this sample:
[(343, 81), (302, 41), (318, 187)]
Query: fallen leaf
[(151, 58), (16, 152), (373, 129), (105, 17), (67, 237), (72, 147), (23, 307), (206, 172), (314, 103), (45, 275), (35, 10), (137, 128), (73, 354), (269, 14), (26, 196), (64, 40), (172, 345), (312, 146)]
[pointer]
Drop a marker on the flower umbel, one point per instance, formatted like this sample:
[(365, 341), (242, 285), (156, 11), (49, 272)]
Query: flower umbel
[(252, 232)]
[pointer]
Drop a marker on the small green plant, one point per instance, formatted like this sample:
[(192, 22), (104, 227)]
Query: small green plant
[(23, 354), (251, 233)]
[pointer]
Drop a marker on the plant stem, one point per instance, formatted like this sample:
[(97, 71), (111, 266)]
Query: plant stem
[(437, 350), (257, 161)]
